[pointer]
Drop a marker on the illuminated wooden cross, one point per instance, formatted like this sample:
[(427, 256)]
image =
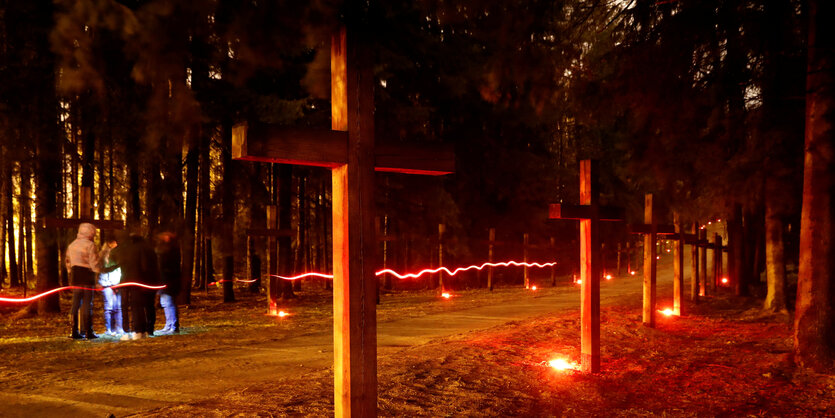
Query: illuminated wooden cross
[(272, 232), (348, 150), (589, 213), (650, 229)]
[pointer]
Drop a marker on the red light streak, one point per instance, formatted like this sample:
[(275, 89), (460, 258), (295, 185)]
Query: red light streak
[(59, 289), (215, 283), (426, 271)]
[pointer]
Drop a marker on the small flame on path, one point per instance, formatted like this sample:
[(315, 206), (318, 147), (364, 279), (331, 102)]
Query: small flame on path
[(667, 312), (446, 295), (562, 364), (632, 273), (282, 314), (533, 287), (608, 277), (724, 280)]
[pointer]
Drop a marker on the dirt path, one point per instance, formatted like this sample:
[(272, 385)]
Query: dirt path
[(161, 372)]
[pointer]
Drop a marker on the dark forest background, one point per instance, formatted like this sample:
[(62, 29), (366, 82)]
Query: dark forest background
[(699, 102)]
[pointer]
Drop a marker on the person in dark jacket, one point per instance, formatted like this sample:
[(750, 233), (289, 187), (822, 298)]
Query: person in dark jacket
[(168, 254), (138, 262)]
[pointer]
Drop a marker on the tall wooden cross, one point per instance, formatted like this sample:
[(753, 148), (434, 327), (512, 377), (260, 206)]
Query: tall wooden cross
[(348, 150), (650, 229), (589, 213)]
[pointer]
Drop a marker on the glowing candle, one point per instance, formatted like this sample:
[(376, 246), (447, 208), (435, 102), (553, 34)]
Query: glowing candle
[(533, 287), (667, 311), (608, 277), (563, 364), (446, 295), (282, 314)]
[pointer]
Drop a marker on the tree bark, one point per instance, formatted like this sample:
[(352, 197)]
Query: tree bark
[(814, 324), (228, 206), (775, 299), (285, 195)]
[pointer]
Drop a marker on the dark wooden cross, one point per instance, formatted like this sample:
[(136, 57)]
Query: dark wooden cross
[(589, 213), (348, 150), (272, 232), (650, 229)]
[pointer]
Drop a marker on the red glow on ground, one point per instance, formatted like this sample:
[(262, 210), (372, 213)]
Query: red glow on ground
[(562, 364), (724, 280), (657, 257), (668, 250), (218, 282), (667, 312), (282, 314), (632, 273), (446, 295), (608, 277), (56, 290), (533, 287), (578, 281)]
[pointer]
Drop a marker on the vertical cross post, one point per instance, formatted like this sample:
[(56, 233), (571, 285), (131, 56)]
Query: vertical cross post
[(678, 266), (441, 230), (492, 239), (694, 263), (273, 283), (527, 279), (354, 244), (702, 241), (590, 268), (717, 260), (554, 267), (649, 263)]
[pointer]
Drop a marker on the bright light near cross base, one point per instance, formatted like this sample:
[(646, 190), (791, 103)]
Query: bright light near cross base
[(667, 312), (446, 295), (563, 364), (282, 314), (608, 277), (533, 287), (724, 280)]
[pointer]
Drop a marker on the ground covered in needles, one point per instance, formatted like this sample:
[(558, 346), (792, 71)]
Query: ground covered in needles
[(724, 358)]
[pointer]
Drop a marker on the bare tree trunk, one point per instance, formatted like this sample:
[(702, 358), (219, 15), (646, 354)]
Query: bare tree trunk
[(14, 275), (285, 195), (3, 202), (814, 324), (26, 224), (227, 242), (192, 160), (775, 300)]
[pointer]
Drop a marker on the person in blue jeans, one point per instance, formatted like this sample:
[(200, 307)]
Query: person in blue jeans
[(110, 276), (168, 255)]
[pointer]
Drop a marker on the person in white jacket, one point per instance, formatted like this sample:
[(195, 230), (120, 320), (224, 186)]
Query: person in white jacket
[(82, 261)]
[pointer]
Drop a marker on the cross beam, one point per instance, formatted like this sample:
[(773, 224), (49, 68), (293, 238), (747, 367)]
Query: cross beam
[(348, 150), (589, 213)]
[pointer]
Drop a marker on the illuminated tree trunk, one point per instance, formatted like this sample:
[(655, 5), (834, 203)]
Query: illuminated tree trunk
[(285, 195), (228, 206), (775, 262), (192, 159), (257, 217), (14, 276), (814, 324), (3, 161)]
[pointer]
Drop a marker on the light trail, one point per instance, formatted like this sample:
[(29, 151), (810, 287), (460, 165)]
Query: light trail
[(304, 275), (425, 271), (215, 283), (59, 289)]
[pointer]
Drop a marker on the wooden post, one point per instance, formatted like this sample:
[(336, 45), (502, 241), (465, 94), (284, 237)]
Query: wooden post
[(554, 267), (590, 268), (620, 252), (694, 263), (273, 286), (678, 266), (492, 237), (441, 230), (649, 264), (702, 262), (525, 275), (717, 260)]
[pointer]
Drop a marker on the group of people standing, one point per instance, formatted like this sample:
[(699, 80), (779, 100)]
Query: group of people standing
[(129, 311)]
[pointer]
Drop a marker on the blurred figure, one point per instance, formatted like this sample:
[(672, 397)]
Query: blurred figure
[(168, 254), (139, 265), (110, 276), (82, 261)]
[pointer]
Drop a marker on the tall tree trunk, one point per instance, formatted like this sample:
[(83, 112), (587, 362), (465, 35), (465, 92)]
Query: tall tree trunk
[(14, 275), (285, 196), (257, 218), (25, 223), (3, 202), (192, 161), (814, 324), (228, 204), (775, 299), (302, 245)]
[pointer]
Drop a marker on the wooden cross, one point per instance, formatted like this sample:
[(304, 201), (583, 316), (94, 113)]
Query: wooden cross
[(589, 213), (348, 150), (650, 229), (84, 216), (272, 232)]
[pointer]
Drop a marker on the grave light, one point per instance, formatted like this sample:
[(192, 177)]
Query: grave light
[(608, 277), (533, 287), (562, 364), (632, 273), (657, 257), (446, 295), (724, 280), (668, 250), (718, 220), (666, 312), (282, 314), (708, 222)]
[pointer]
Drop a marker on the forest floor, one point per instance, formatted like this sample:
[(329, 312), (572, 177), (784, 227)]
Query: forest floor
[(479, 353)]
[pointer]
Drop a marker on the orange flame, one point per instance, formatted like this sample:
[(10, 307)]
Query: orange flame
[(533, 287), (446, 295), (667, 312), (562, 364)]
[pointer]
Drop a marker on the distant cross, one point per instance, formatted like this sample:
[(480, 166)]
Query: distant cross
[(589, 213), (650, 230), (272, 232), (348, 150)]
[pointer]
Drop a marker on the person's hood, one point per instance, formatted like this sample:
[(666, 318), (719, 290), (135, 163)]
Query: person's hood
[(86, 231)]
